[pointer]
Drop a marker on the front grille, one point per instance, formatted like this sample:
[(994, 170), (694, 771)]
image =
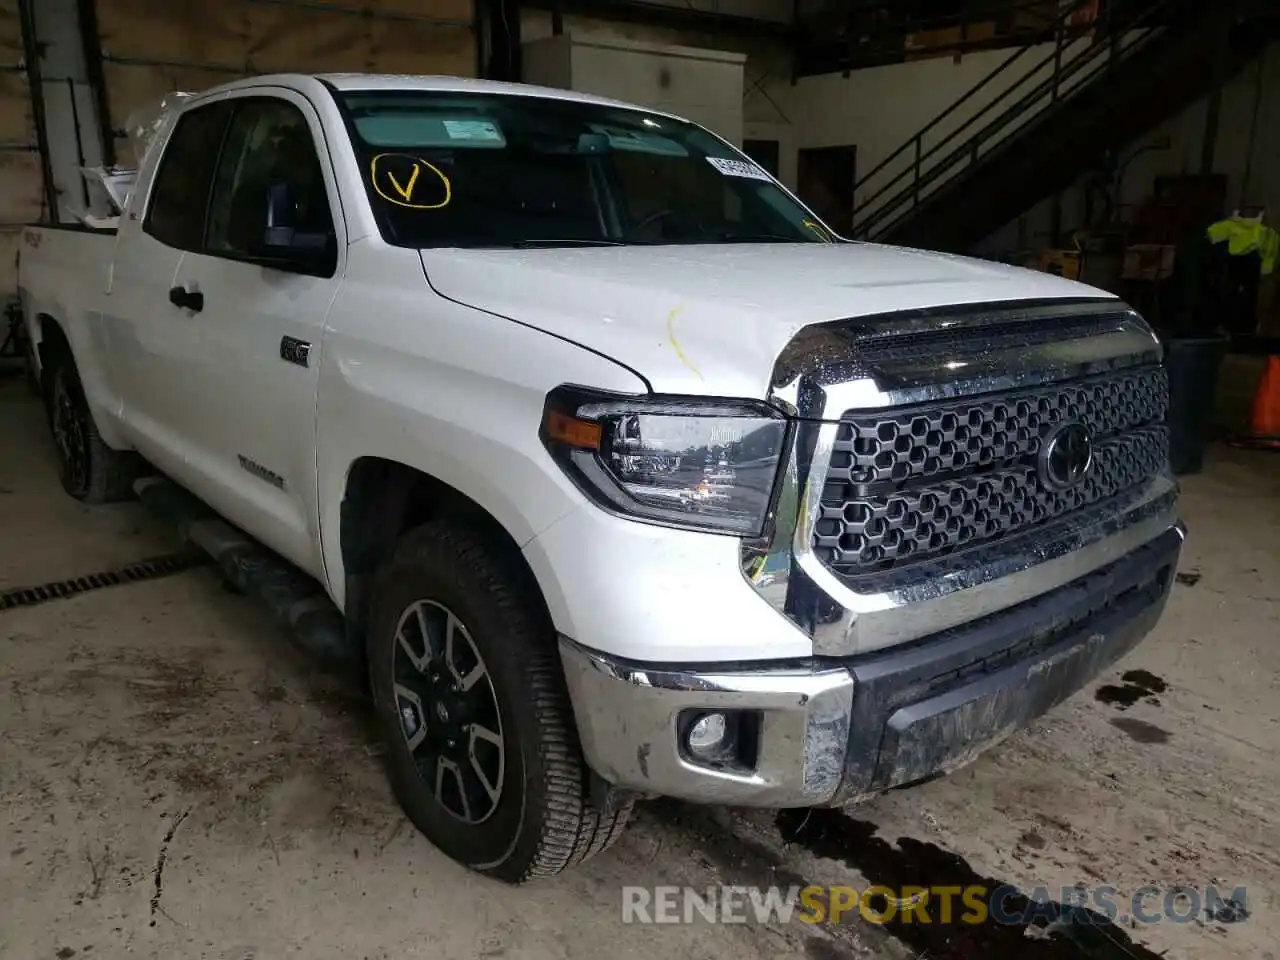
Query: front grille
[(910, 484)]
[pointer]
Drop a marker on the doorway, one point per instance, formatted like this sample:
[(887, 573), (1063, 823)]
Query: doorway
[(824, 180), (764, 153)]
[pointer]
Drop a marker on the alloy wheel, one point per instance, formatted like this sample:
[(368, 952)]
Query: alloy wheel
[(448, 711)]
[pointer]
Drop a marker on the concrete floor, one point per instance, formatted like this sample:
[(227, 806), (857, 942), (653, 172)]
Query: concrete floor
[(176, 780)]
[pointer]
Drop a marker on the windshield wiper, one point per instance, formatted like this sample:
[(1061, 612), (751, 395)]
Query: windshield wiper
[(522, 244), (527, 244), (728, 237)]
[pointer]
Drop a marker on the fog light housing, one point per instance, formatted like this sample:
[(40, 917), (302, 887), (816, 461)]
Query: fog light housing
[(708, 737), (719, 739)]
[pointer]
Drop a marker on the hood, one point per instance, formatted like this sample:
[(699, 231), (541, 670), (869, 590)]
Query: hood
[(710, 320)]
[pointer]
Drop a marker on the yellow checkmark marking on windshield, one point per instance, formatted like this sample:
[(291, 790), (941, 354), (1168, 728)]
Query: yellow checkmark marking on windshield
[(407, 191), (389, 188)]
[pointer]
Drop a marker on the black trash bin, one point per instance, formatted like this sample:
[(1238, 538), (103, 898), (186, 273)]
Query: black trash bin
[(1193, 364)]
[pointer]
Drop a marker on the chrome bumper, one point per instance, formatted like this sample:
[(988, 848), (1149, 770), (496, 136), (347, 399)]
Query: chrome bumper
[(627, 715), (836, 731)]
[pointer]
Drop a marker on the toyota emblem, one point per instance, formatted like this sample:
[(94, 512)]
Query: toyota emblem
[(1066, 457)]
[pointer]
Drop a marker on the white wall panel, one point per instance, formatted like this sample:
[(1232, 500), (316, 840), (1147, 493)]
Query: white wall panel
[(767, 67), (703, 85)]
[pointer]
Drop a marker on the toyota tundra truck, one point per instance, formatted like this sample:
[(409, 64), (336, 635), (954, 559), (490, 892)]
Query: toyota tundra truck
[(611, 468)]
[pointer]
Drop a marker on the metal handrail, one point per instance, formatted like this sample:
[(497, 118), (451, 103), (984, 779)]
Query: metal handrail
[(908, 23), (1060, 21), (970, 147), (1112, 41), (1119, 47)]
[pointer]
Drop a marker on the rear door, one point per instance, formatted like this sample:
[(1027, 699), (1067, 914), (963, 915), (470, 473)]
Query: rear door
[(151, 342), (252, 387)]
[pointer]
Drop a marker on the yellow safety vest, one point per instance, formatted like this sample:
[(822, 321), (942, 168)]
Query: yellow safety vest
[(1248, 236)]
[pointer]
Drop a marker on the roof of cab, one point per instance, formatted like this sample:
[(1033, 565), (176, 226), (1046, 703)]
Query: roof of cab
[(375, 81), (371, 81)]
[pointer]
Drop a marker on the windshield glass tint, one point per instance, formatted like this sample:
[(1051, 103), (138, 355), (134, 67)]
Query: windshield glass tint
[(449, 169)]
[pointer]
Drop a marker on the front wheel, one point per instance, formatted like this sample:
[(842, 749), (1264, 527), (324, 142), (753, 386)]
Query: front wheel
[(470, 696)]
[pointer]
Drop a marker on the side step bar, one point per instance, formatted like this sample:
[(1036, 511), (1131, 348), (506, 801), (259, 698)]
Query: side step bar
[(296, 600)]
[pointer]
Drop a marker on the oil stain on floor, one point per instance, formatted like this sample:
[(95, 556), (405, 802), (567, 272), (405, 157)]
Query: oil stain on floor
[(1136, 685), (1050, 929)]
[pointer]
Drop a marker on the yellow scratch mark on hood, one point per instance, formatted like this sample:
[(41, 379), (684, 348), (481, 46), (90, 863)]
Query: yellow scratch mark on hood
[(671, 335), (816, 228)]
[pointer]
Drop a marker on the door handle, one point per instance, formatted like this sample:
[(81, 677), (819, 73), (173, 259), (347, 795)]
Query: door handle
[(192, 300)]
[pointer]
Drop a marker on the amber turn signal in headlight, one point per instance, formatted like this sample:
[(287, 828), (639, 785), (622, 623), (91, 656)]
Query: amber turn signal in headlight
[(678, 461)]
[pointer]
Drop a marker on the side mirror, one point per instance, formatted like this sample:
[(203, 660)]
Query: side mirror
[(281, 239)]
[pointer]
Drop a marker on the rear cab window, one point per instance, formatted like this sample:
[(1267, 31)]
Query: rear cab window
[(184, 177)]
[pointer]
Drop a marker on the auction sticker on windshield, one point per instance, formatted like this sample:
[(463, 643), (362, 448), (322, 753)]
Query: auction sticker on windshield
[(483, 130), (738, 168)]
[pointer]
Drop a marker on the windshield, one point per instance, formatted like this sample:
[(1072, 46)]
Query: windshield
[(464, 170)]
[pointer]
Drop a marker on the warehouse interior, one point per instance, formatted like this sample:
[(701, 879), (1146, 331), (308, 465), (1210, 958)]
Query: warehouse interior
[(176, 779)]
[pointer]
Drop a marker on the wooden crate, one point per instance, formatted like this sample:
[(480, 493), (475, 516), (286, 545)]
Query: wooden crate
[(1060, 263)]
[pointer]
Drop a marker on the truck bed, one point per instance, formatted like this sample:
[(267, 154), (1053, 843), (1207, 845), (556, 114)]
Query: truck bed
[(74, 228), (62, 272)]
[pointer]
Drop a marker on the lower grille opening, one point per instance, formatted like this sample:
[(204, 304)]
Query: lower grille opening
[(1134, 596)]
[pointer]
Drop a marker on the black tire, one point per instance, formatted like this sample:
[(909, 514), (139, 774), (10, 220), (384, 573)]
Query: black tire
[(89, 470), (544, 818), (32, 369)]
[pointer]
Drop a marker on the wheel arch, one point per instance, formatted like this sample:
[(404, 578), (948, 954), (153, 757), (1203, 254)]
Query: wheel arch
[(53, 338), (57, 338), (384, 498)]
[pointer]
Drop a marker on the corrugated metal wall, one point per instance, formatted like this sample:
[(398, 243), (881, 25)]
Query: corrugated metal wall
[(151, 48), (21, 186)]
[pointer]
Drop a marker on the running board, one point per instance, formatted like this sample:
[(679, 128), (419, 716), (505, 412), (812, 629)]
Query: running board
[(296, 600)]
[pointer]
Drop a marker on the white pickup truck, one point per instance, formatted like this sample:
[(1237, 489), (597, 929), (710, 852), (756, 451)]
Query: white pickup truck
[(614, 470)]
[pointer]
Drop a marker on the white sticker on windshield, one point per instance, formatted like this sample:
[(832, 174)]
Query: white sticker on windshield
[(738, 168), (484, 130)]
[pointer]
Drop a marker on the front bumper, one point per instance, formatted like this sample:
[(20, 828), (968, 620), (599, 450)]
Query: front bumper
[(834, 730)]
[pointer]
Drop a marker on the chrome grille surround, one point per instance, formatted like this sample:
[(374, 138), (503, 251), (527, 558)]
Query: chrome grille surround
[(890, 366)]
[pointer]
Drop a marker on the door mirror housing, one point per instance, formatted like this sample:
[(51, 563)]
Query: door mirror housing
[(283, 243)]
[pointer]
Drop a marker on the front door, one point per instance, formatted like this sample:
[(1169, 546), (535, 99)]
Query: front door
[(255, 381)]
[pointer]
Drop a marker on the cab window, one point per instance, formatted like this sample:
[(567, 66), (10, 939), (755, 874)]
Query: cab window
[(269, 143)]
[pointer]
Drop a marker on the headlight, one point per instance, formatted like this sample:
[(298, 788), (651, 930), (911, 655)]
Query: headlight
[(686, 462)]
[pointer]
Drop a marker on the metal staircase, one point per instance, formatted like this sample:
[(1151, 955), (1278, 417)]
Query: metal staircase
[(1042, 117)]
